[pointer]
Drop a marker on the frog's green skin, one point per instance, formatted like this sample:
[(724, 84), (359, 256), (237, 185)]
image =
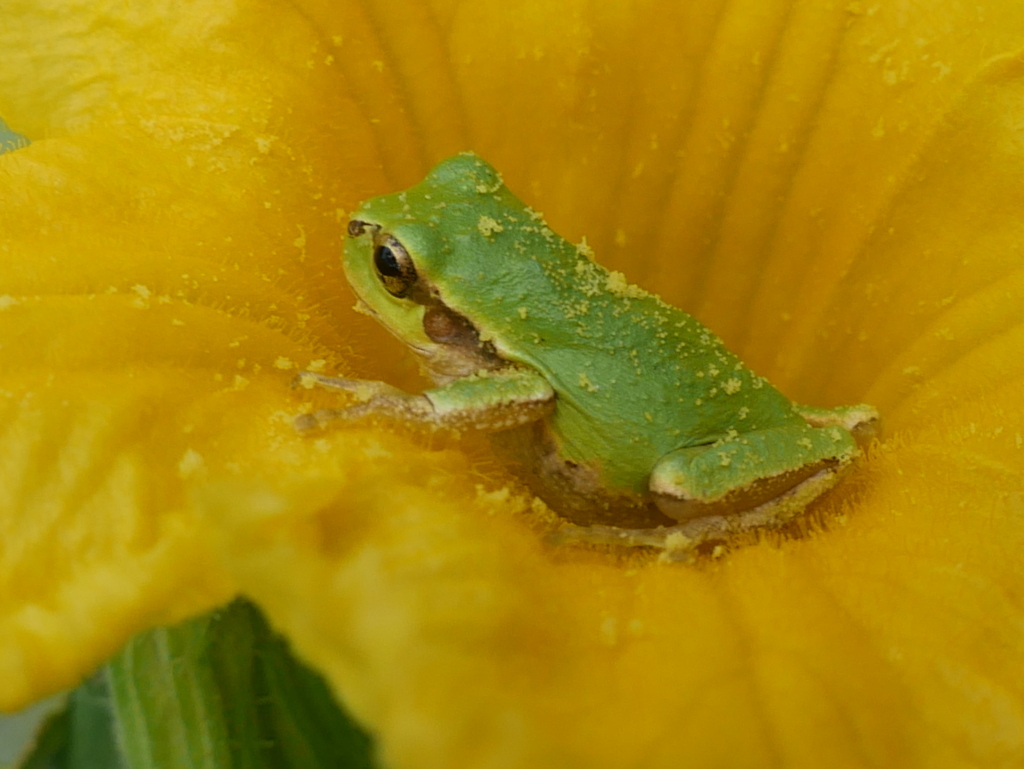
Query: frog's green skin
[(618, 408)]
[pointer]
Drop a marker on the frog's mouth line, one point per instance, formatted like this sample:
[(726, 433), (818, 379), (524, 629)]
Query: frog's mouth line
[(445, 359), (364, 308)]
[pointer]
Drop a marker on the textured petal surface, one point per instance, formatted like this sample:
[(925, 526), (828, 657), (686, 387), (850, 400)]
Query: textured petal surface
[(834, 189), (150, 277)]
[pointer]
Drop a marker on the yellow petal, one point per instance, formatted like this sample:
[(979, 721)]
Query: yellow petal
[(888, 637), (166, 252), (833, 189)]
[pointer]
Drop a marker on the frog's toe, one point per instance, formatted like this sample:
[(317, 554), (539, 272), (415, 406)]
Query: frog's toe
[(866, 426), (305, 423), (861, 420)]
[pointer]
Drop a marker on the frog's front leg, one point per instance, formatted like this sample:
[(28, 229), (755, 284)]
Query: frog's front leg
[(759, 470), (487, 401)]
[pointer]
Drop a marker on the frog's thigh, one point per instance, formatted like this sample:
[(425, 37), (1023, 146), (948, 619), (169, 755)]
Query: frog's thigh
[(749, 471)]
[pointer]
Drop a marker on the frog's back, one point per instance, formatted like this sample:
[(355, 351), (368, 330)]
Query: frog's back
[(635, 377)]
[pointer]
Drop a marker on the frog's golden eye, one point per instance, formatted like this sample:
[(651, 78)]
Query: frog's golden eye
[(394, 267)]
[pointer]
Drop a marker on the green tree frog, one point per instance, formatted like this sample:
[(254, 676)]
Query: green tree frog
[(624, 414)]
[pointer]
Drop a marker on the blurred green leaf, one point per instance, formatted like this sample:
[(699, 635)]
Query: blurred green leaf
[(80, 735), (224, 692)]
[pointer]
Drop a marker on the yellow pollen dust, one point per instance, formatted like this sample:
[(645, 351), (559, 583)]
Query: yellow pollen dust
[(488, 226)]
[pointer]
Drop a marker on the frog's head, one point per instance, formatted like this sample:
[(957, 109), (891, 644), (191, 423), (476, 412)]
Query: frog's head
[(394, 260)]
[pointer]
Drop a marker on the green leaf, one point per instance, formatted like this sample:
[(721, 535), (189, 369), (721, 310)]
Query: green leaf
[(311, 729), (224, 692), (52, 743), (80, 735)]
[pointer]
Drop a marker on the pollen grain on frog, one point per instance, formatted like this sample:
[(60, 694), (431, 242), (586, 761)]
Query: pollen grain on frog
[(586, 383), (583, 249), (489, 226)]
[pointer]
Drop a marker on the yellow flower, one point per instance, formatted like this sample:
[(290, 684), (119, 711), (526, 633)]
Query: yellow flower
[(834, 188)]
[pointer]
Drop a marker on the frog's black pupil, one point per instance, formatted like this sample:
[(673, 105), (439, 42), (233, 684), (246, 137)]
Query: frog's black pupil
[(386, 262)]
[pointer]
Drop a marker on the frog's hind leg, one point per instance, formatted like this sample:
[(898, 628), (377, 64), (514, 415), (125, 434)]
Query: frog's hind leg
[(770, 471), (756, 480), (681, 542)]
